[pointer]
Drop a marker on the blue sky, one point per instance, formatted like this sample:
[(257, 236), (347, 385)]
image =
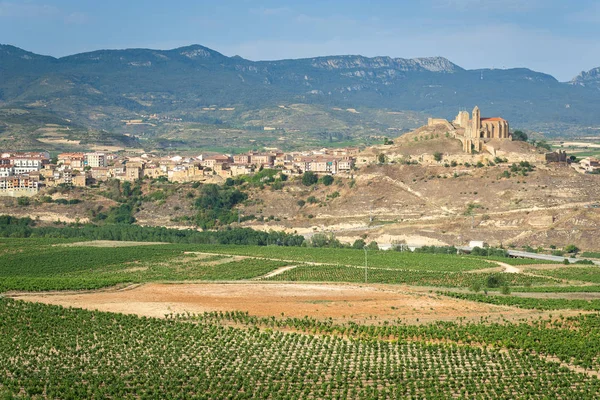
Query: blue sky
[(557, 37)]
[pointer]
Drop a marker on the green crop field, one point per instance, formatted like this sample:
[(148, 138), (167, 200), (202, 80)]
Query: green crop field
[(380, 259), (52, 352), (55, 352), (528, 302), (336, 273), (37, 265), (583, 274)]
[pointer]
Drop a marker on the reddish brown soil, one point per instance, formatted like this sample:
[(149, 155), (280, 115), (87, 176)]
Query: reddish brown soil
[(359, 303)]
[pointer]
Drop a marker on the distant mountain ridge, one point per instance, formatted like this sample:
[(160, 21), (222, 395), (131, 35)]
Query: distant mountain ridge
[(588, 78), (100, 88)]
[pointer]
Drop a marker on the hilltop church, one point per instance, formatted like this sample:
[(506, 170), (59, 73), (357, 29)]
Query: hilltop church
[(473, 131)]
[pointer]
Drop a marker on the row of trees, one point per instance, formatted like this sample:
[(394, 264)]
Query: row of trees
[(26, 227)]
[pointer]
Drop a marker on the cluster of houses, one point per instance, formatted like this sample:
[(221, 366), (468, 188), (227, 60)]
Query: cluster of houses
[(21, 174), (588, 165)]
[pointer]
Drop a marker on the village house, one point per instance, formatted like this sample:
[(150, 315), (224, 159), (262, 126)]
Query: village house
[(590, 164), (210, 162), (19, 185), (72, 160), (100, 173)]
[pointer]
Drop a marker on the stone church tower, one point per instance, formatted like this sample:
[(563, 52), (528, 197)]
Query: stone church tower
[(476, 119)]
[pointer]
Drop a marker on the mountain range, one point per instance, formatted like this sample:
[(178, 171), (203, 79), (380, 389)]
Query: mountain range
[(98, 89)]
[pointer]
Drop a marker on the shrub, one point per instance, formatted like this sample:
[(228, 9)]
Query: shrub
[(309, 178), (327, 180), (359, 244), (572, 249), (493, 281)]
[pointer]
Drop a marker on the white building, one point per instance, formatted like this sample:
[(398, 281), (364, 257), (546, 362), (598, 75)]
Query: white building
[(95, 160)]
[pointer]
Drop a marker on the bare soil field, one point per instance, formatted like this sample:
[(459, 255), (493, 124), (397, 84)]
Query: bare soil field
[(370, 304)]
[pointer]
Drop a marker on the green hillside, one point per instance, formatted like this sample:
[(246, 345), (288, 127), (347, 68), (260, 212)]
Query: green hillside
[(183, 96)]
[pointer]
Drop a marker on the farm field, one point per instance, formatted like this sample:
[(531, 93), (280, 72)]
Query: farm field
[(75, 352), (151, 320)]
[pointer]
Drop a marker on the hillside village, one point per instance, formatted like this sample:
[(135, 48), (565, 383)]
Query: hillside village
[(466, 140), (24, 173)]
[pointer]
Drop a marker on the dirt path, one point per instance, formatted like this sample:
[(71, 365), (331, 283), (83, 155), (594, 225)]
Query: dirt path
[(509, 269), (276, 272)]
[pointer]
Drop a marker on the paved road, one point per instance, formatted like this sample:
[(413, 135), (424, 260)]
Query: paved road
[(524, 254), (513, 253), (535, 256)]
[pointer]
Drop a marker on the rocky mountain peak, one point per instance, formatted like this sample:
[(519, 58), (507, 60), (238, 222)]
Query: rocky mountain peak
[(591, 77)]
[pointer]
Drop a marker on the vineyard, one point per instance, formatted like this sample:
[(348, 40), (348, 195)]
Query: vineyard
[(378, 259), (39, 265), (53, 352), (584, 274), (49, 351), (336, 273), (531, 303)]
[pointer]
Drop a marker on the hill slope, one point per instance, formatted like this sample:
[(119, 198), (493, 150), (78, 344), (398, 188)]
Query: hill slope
[(99, 89)]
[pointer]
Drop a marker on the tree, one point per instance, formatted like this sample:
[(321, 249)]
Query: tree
[(437, 156), (493, 281), (327, 180), (572, 249), (519, 136), (309, 178), (359, 244), (381, 158), (23, 201), (373, 246), (476, 287)]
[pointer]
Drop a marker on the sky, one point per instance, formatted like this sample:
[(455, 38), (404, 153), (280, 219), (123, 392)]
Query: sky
[(560, 38)]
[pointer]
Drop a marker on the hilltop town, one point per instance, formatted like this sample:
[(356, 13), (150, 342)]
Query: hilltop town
[(444, 183)]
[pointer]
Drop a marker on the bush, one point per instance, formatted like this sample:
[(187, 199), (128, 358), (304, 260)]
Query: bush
[(437, 156), (301, 203), (572, 249), (312, 200), (475, 287), (373, 246), (327, 180), (493, 281), (359, 244), (23, 201), (519, 136), (309, 178)]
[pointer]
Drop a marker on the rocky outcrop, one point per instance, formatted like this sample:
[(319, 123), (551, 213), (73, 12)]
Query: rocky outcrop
[(433, 64), (589, 78)]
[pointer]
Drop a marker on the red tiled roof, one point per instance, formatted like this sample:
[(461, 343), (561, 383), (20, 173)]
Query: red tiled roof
[(493, 119)]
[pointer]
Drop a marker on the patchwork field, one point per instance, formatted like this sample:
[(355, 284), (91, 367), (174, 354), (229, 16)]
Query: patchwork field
[(210, 321)]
